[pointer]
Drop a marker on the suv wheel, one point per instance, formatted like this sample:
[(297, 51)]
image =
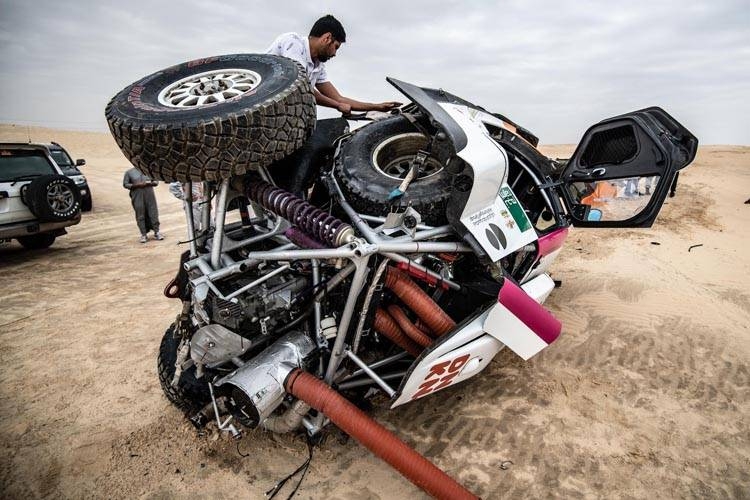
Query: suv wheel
[(37, 241), (53, 198)]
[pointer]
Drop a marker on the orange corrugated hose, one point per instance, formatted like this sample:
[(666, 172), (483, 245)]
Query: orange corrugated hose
[(419, 302), (408, 327), (374, 437), (386, 326), (426, 329)]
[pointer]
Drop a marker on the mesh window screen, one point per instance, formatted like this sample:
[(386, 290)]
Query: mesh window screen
[(616, 145)]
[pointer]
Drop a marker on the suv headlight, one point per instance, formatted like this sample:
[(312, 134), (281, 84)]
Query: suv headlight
[(79, 180)]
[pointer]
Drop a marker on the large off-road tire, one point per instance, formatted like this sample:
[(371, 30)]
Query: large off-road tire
[(37, 241), (191, 394), (373, 161), (213, 118), (52, 198)]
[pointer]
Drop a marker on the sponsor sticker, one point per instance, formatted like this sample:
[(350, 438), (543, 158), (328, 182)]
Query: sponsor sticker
[(441, 375), (503, 227)]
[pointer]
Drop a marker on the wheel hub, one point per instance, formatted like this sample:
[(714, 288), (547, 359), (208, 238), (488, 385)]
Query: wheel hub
[(208, 88), (60, 198), (393, 157)]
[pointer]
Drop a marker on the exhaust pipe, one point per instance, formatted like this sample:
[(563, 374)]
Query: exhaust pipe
[(374, 437), (259, 384)]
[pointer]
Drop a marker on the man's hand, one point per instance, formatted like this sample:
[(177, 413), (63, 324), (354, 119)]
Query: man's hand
[(344, 108), (386, 106)]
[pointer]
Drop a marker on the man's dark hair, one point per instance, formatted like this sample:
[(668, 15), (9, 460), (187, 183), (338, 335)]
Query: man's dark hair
[(329, 24)]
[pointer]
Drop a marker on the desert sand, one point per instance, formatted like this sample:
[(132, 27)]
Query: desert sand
[(646, 394)]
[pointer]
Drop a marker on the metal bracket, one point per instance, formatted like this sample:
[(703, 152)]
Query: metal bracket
[(406, 221), (550, 184)]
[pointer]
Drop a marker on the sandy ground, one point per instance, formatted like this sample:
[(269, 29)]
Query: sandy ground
[(645, 395)]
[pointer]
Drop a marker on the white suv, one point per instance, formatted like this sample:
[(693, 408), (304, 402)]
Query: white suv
[(37, 202)]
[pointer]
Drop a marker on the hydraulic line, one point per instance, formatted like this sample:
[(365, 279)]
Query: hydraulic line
[(374, 436)]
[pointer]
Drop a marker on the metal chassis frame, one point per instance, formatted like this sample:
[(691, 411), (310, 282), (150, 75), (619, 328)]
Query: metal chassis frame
[(217, 265)]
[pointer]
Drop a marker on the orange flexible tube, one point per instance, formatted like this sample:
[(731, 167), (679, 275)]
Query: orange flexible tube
[(408, 327), (419, 302), (386, 326), (426, 329), (374, 436)]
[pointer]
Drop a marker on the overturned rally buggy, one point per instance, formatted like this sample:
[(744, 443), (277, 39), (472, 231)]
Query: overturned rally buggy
[(396, 254)]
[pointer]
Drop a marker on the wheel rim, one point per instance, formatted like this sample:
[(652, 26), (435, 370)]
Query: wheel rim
[(60, 198), (393, 157), (210, 87)]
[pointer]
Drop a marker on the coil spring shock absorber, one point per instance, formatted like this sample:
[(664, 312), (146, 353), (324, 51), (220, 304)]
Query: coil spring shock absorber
[(313, 221)]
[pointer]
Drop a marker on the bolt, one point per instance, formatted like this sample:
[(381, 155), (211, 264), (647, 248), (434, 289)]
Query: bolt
[(410, 222)]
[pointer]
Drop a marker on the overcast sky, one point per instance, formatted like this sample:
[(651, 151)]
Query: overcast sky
[(553, 68)]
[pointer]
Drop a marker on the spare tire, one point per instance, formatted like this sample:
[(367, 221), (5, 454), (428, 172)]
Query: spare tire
[(52, 198), (213, 118), (373, 161)]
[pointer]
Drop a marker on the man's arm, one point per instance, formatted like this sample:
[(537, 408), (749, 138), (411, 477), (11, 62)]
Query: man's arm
[(329, 96), (126, 182), (323, 100)]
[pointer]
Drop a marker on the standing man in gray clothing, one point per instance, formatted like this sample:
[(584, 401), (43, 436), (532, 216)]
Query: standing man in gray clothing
[(144, 202)]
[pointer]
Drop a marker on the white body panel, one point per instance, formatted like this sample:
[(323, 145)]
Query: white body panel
[(544, 264), (497, 229), (488, 160), (12, 209), (488, 213), (540, 287), (511, 331), (461, 357)]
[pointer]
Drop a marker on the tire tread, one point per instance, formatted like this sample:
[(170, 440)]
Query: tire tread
[(218, 147)]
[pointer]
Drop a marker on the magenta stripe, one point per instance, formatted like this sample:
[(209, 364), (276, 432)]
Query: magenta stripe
[(529, 311), (552, 241)]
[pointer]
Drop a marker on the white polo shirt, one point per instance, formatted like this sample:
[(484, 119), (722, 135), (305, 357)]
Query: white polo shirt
[(297, 47)]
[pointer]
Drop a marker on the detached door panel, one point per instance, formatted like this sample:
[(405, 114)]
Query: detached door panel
[(622, 170)]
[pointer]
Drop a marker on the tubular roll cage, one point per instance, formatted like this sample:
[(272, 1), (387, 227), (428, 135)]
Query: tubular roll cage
[(217, 265)]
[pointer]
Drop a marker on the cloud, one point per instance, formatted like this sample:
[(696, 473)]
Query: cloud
[(554, 67)]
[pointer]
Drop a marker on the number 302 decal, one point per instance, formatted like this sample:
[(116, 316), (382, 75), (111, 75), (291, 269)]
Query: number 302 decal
[(441, 375)]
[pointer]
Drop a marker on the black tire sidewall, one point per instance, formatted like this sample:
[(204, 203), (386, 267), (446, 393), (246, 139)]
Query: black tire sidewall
[(368, 187), (36, 197), (190, 394), (37, 241), (139, 101)]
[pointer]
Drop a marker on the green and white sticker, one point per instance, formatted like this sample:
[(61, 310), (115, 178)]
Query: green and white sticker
[(515, 208), (502, 227)]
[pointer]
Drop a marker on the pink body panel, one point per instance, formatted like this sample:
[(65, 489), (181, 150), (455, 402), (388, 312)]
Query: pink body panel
[(552, 241), (530, 312)]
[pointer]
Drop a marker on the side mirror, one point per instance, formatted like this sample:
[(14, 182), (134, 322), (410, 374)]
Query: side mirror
[(80, 162), (594, 215)]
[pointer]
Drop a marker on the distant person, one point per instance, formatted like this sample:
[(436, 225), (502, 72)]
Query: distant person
[(179, 189), (312, 51), (631, 186), (142, 198)]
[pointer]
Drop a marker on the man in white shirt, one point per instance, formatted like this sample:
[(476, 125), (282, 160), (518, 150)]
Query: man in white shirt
[(326, 36)]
